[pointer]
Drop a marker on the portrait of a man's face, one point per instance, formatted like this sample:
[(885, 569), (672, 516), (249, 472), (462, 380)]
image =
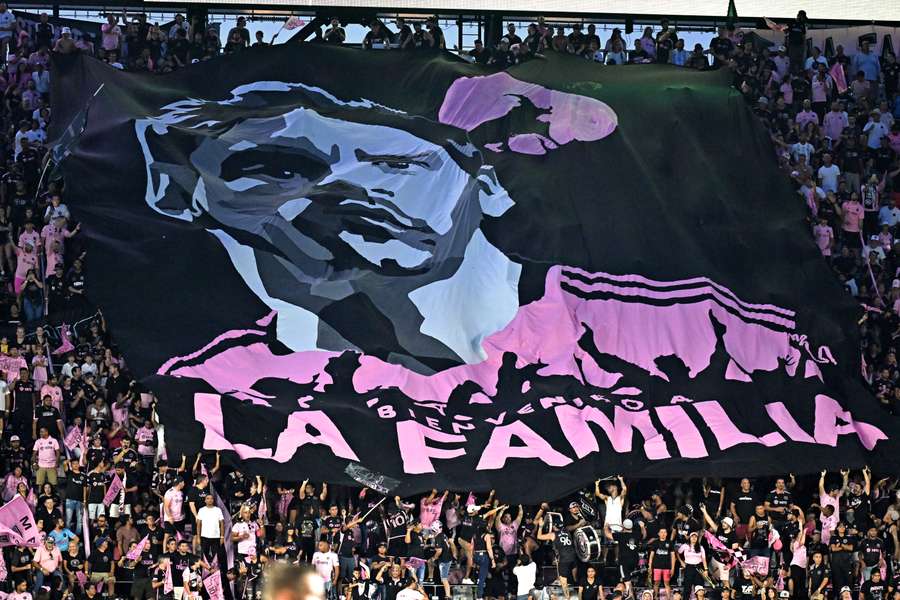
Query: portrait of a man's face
[(321, 202)]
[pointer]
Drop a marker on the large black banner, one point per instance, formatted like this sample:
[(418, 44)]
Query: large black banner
[(321, 258)]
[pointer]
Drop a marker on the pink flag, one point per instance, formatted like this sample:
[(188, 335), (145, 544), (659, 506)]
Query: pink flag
[(774, 26), (114, 488), (81, 577), (73, 438), (471, 499), (85, 529), (213, 585), (167, 584), (758, 565), (294, 23), (16, 518), (136, 553), (837, 74), (66, 345), (2, 568)]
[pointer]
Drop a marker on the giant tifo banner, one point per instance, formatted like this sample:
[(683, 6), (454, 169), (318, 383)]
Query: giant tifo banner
[(328, 262)]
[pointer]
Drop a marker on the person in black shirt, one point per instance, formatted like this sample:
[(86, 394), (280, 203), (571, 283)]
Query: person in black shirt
[(721, 47), (73, 563), (101, 567), (335, 34), (662, 563), (871, 550), (565, 553), (758, 532), (331, 526), (394, 582), (443, 556), (817, 576), (796, 42), (47, 416), (742, 507), (591, 587), (874, 589), (141, 588), (377, 34), (841, 547), (20, 566), (23, 396), (628, 542), (17, 457), (159, 580), (779, 499)]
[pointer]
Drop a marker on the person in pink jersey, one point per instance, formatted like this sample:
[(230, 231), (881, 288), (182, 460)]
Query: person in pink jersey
[(824, 235)]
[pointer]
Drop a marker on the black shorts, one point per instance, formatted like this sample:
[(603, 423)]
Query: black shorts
[(625, 571), (565, 569), (173, 528)]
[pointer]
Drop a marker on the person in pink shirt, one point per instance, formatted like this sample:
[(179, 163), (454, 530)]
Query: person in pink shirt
[(787, 91), (508, 530), (111, 34), (14, 365), (52, 389), (13, 479), (21, 591), (831, 496), (886, 237), (47, 562), (824, 236), (46, 451), (806, 116), (851, 213), (430, 507), (821, 86), (28, 261), (29, 236), (835, 122), (173, 510), (54, 255)]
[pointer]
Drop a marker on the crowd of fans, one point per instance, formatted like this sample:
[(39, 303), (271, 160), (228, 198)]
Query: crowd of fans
[(182, 518)]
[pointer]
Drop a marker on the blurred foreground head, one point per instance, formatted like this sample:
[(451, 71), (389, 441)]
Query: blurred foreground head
[(293, 582)]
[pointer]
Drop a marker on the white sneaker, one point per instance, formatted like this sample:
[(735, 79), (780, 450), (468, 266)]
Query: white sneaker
[(468, 581)]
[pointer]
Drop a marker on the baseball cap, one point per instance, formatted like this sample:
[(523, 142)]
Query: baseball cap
[(846, 588), (728, 521), (15, 438), (66, 30), (573, 505), (699, 588)]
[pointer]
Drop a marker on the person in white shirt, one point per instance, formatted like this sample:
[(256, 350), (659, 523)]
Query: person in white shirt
[(828, 174), (615, 500), (526, 574), (873, 247), (212, 529), (89, 366), (875, 130), (413, 591), (244, 533), (326, 565)]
